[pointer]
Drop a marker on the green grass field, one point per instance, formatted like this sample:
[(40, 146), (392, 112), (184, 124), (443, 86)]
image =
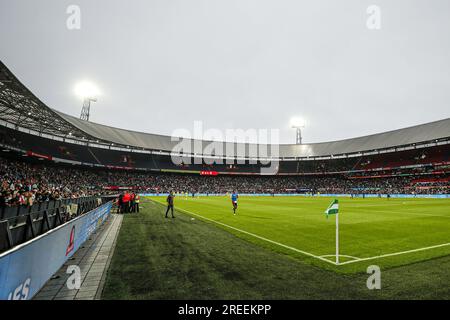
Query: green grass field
[(282, 248), (369, 228)]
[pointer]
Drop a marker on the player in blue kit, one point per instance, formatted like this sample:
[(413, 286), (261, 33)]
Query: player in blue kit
[(234, 199)]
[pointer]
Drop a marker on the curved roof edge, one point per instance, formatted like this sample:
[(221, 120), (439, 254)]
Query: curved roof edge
[(22, 108), (428, 132)]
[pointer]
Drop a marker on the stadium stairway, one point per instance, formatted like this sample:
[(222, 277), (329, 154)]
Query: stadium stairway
[(93, 259)]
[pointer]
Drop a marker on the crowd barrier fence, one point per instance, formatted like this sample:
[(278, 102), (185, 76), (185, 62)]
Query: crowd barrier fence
[(27, 267), (432, 196)]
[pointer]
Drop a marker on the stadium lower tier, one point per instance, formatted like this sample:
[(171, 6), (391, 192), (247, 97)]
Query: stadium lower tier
[(26, 180)]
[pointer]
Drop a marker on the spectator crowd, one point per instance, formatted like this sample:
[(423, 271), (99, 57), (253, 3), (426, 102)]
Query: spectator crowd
[(23, 183)]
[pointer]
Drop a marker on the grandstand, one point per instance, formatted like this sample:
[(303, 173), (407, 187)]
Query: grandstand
[(59, 160), (30, 127)]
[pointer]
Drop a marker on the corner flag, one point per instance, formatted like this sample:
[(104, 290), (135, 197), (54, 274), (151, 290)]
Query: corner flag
[(333, 208)]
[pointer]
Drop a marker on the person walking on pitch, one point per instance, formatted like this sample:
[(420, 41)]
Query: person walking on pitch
[(234, 201), (170, 203)]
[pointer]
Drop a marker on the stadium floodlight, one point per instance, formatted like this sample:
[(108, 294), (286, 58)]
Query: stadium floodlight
[(88, 92), (298, 124), (86, 89)]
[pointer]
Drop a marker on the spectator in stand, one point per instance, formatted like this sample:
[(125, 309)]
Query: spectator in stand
[(23, 183), (3, 199)]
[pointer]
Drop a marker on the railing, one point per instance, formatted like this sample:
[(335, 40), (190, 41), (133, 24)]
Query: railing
[(20, 224), (27, 267)]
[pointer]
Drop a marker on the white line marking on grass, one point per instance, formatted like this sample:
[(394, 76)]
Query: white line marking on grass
[(397, 253), (415, 214), (340, 255), (256, 236), (323, 257)]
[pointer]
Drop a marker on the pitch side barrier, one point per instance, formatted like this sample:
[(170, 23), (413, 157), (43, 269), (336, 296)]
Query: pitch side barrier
[(27, 267), (430, 196), (412, 196)]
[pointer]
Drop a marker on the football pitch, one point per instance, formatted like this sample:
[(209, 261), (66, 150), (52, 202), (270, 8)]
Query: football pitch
[(372, 231), (281, 248)]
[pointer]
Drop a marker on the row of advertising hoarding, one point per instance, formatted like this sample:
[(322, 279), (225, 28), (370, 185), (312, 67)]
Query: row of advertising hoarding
[(366, 195), (25, 269)]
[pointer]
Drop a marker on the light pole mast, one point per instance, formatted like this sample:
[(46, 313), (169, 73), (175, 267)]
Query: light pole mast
[(85, 111), (298, 124), (298, 137)]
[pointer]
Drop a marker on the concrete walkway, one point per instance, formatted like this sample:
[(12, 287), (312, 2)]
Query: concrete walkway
[(93, 258)]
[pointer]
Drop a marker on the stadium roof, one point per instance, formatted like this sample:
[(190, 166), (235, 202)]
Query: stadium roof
[(18, 106), (407, 136)]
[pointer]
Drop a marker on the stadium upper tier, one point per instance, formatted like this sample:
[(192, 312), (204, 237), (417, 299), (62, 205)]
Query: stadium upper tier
[(422, 133), (20, 108)]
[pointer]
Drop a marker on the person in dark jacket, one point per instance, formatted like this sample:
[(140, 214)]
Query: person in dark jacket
[(132, 203), (170, 203), (120, 203)]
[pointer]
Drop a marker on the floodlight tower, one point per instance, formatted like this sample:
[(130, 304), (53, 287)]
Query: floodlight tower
[(88, 92), (86, 108), (298, 125)]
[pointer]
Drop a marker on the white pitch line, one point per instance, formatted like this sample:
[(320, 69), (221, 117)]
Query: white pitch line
[(341, 255), (321, 257), (313, 255), (397, 253), (415, 214), (259, 237)]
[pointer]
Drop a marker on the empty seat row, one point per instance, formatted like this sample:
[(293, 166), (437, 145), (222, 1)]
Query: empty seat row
[(19, 225)]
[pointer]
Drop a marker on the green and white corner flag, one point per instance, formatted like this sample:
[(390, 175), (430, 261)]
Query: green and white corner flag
[(333, 208)]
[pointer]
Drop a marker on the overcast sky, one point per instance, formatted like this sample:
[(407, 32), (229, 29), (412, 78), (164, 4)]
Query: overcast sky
[(162, 64)]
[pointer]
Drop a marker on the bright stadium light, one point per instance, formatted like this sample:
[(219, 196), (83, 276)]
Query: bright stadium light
[(88, 92), (298, 124), (86, 89)]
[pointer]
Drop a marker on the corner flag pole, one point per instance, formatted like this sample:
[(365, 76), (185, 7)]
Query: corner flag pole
[(337, 238), (333, 208)]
